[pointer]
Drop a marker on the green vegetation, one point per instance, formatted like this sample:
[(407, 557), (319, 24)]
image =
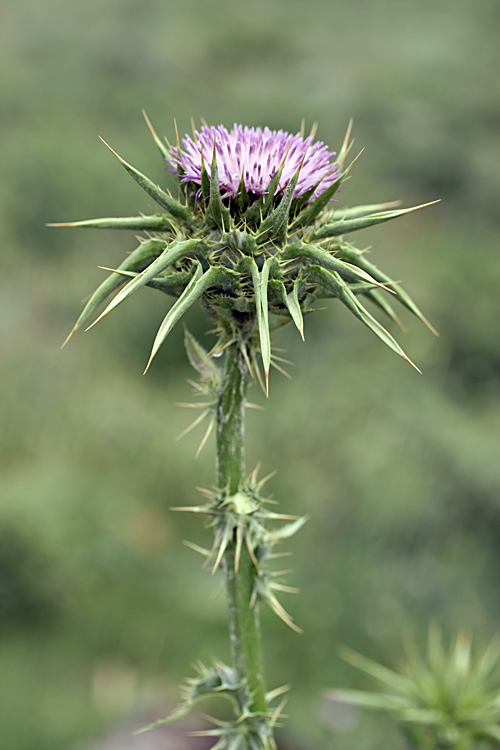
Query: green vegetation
[(101, 607)]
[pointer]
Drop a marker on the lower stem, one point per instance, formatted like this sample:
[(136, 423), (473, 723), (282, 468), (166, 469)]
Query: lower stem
[(244, 628)]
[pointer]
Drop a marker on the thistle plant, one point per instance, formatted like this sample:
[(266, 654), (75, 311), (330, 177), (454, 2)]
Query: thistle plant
[(255, 235), (449, 698)]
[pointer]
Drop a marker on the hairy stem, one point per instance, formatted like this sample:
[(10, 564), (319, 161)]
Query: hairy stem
[(244, 625)]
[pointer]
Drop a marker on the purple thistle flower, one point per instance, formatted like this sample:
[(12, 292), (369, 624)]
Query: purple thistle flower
[(256, 154)]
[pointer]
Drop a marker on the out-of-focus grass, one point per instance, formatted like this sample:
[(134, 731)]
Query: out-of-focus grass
[(102, 609)]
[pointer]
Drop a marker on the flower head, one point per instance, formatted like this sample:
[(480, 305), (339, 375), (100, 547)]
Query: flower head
[(254, 156), (254, 238)]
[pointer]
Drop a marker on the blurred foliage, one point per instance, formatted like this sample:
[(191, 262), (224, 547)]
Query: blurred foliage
[(102, 608)]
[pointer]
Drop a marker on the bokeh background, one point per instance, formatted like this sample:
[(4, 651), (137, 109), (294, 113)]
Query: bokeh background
[(102, 609)]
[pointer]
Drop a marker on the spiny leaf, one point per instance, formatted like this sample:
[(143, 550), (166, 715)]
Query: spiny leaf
[(276, 224), (378, 299), (359, 259), (155, 223), (289, 529), (260, 281), (331, 279), (242, 198), (218, 680), (180, 212), (173, 283), (292, 303), (140, 258), (325, 259), (340, 214), (272, 188), (216, 210), (366, 699), (205, 180), (313, 209), (272, 602), (338, 228), (173, 253), (388, 677), (196, 287), (200, 359)]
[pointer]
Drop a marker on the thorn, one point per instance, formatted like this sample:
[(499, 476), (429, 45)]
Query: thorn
[(222, 549), (267, 383), (95, 321), (302, 128), (412, 364), (68, 337), (280, 359), (155, 136), (63, 224), (346, 137), (177, 138), (313, 130), (112, 151), (195, 137), (149, 362), (238, 548), (424, 321), (280, 369), (205, 438), (251, 552), (196, 548), (263, 481), (353, 162), (194, 424)]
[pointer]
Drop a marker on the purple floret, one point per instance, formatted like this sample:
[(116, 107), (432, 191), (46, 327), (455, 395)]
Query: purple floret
[(256, 155)]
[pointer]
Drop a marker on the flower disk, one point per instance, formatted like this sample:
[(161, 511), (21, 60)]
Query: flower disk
[(253, 156)]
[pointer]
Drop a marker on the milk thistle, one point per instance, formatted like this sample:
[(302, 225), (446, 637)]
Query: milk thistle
[(256, 237)]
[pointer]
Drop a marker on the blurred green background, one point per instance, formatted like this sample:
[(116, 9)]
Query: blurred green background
[(102, 609)]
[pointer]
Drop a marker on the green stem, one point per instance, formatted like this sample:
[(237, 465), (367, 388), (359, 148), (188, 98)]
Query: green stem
[(244, 625)]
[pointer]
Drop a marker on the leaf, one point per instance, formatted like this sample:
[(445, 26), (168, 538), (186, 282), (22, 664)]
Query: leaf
[(260, 281), (378, 299), (359, 259), (365, 699), (325, 259), (386, 676), (216, 210), (289, 529), (136, 261), (337, 228), (218, 680), (154, 223), (292, 303), (200, 359), (180, 212), (276, 225), (198, 284), (173, 253), (313, 209), (354, 213), (331, 280)]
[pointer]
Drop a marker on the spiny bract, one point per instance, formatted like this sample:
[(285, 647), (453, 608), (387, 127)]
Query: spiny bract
[(254, 235)]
